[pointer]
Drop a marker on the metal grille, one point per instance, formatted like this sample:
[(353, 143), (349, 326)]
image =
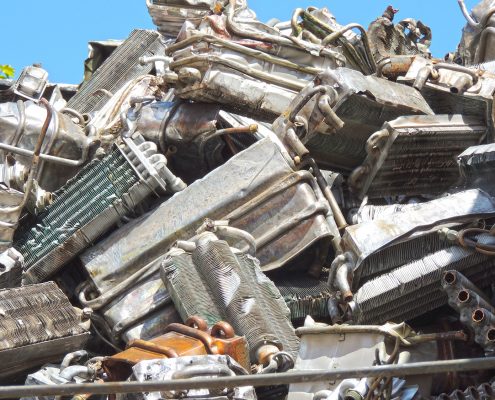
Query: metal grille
[(121, 67), (234, 287), (83, 198), (414, 289)]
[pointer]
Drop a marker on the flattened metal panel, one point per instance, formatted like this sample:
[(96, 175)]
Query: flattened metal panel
[(237, 191)]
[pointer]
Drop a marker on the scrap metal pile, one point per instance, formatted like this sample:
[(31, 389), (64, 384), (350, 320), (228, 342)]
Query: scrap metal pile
[(239, 210)]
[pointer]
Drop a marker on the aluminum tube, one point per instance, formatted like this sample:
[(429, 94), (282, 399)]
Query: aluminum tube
[(466, 14), (422, 368)]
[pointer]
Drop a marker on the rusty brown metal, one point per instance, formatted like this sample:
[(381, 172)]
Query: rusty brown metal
[(179, 341)]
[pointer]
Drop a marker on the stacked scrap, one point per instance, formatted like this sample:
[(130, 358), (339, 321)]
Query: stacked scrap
[(224, 200)]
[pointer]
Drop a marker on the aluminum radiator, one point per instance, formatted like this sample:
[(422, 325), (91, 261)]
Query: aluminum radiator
[(170, 15), (117, 70), (89, 205), (217, 284), (381, 245), (257, 190), (415, 155), (361, 103), (414, 288), (38, 325), (454, 92)]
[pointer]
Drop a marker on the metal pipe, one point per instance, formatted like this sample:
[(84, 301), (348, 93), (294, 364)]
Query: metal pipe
[(295, 143), (470, 20), (459, 68), (342, 281), (116, 290), (261, 36), (481, 53), (327, 192), (331, 118), (71, 357), (306, 98), (364, 38), (402, 370), (244, 50), (81, 371), (251, 129), (209, 59), (152, 59), (74, 113), (44, 157), (487, 16), (423, 76), (235, 233), (296, 29)]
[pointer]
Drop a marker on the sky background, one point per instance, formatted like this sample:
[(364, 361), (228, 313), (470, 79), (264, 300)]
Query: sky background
[(56, 32)]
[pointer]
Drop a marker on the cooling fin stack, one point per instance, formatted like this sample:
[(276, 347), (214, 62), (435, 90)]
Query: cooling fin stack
[(217, 284), (381, 245), (121, 67), (416, 155), (414, 288), (88, 206), (37, 325), (305, 296)]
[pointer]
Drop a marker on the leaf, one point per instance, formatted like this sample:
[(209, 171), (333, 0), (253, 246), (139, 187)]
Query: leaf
[(7, 71)]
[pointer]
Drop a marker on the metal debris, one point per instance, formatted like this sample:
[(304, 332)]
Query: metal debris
[(231, 209)]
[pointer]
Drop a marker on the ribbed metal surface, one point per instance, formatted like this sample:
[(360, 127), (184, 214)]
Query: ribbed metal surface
[(86, 196), (234, 287), (305, 296), (414, 289), (34, 314), (418, 155), (121, 67), (384, 244)]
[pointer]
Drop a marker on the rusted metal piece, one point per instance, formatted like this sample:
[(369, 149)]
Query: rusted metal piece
[(179, 341)]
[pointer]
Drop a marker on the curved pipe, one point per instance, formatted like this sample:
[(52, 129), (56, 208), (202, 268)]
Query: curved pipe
[(283, 82), (459, 68), (423, 76), (342, 281), (340, 270), (331, 118), (76, 355), (243, 50), (296, 29), (115, 291), (234, 233), (470, 20), (374, 140), (487, 16), (261, 36), (304, 100), (364, 38), (75, 114), (481, 53), (80, 371)]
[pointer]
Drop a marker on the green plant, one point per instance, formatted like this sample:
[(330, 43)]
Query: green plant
[(6, 71)]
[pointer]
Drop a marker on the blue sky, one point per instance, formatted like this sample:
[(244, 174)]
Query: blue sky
[(56, 32)]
